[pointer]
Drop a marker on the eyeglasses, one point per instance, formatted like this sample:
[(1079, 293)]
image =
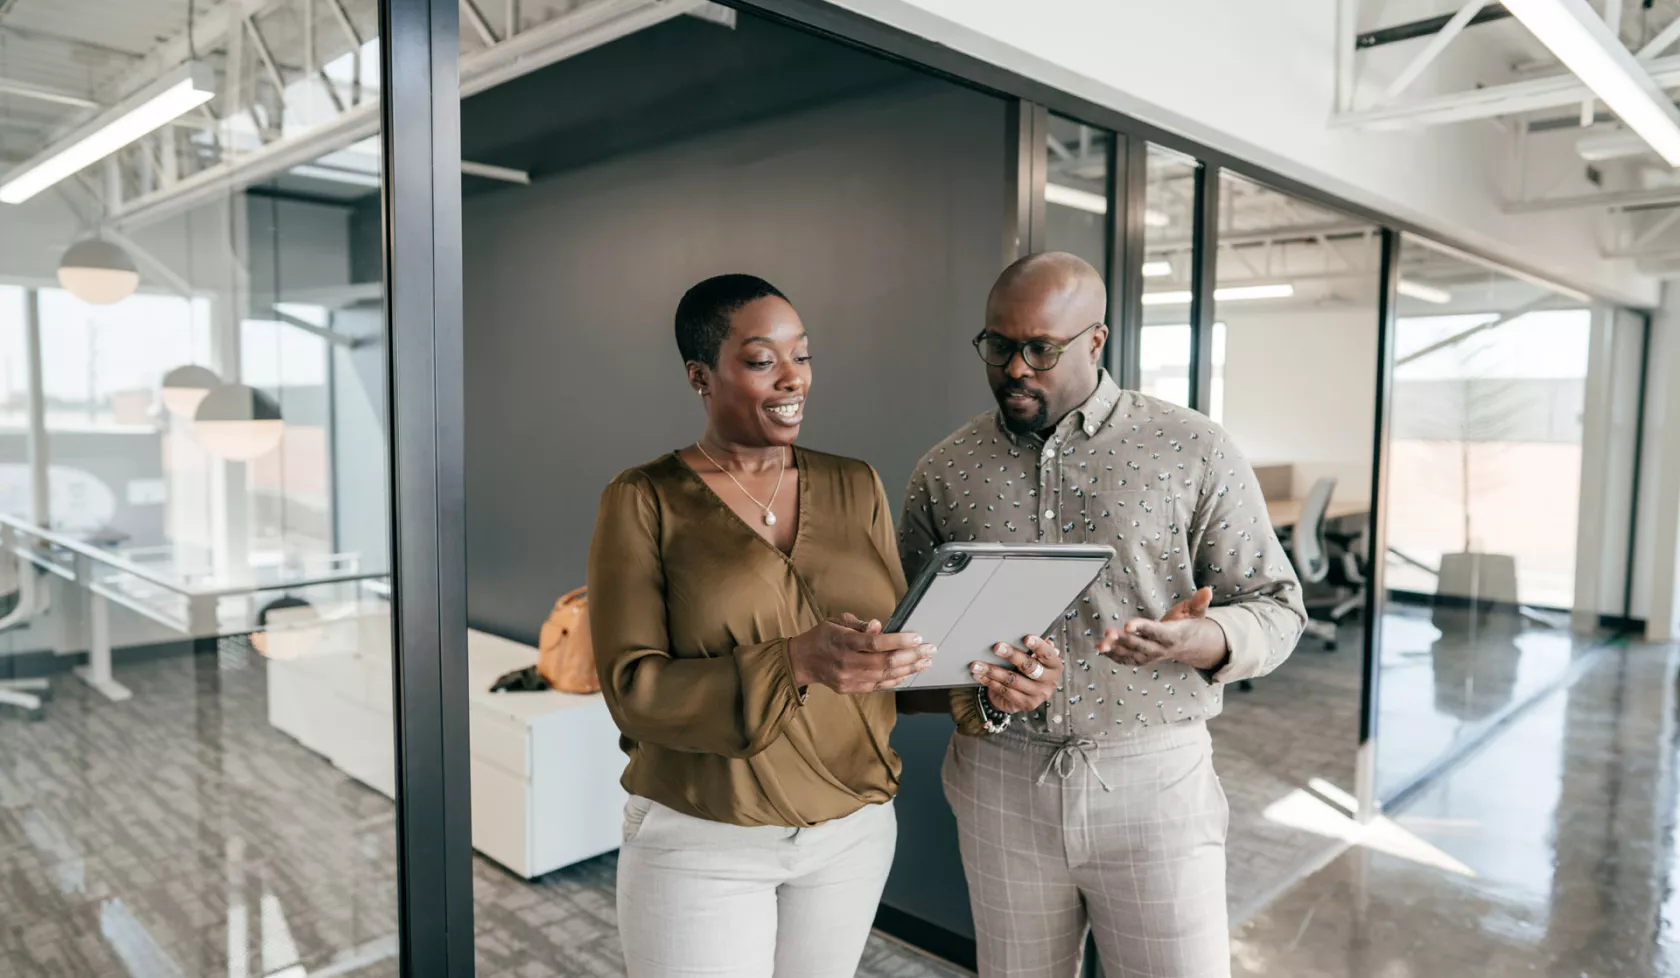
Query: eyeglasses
[(1039, 354)]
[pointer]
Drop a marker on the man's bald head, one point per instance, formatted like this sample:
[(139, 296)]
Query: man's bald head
[(1052, 298), (1066, 285)]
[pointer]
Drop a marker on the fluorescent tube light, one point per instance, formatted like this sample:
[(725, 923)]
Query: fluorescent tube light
[(1157, 269), (1588, 47), (1235, 293), (1238, 293), (1085, 200), (1619, 144), (1057, 193), (155, 106), (333, 174), (1424, 293)]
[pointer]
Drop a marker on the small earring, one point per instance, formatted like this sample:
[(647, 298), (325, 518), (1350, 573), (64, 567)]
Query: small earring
[(701, 391)]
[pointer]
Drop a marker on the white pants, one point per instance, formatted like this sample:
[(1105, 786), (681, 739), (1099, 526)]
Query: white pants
[(701, 898)]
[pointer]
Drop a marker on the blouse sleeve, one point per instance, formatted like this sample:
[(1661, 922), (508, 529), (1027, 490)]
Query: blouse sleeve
[(733, 705)]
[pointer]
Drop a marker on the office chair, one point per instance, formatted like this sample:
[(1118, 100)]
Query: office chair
[(25, 694), (1309, 551)]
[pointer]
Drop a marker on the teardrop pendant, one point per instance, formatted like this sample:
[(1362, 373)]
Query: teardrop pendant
[(769, 518)]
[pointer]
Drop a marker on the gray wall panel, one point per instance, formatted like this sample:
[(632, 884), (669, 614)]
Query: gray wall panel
[(879, 217)]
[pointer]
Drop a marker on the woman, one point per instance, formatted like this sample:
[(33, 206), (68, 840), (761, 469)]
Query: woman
[(736, 590)]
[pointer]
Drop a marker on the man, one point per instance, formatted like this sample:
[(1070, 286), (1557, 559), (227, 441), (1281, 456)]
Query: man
[(1101, 808)]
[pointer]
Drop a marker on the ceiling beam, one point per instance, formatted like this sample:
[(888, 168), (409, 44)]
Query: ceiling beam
[(1496, 100), (1616, 199), (207, 32), (26, 90), (1425, 27)]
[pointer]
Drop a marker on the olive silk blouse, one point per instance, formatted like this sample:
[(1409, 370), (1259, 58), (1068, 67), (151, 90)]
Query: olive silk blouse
[(690, 612)]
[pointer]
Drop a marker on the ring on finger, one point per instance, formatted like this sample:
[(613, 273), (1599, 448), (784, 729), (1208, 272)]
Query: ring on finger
[(1037, 670)]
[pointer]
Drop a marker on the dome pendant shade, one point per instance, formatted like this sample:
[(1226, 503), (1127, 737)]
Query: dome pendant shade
[(185, 386), (238, 423), (98, 272)]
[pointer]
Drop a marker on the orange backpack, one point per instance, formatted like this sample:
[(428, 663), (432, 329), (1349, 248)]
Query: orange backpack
[(565, 656)]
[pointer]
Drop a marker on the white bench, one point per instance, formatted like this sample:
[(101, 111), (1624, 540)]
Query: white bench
[(545, 765)]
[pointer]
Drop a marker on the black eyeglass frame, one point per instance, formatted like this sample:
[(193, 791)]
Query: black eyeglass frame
[(1020, 349)]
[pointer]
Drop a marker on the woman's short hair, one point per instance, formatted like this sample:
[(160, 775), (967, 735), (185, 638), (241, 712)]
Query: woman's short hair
[(703, 314)]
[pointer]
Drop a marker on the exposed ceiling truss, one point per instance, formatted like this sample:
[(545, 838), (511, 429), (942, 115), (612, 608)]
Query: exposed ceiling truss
[(297, 93), (1469, 61)]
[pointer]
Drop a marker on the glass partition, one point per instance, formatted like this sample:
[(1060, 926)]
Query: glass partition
[(1294, 384), (195, 651), (1076, 190), (1169, 221), (1485, 447)]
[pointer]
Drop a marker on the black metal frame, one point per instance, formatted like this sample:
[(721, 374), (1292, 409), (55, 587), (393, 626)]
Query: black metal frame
[(1204, 278), (421, 194), (1023, 232), (1128, 185), (1388, 295)]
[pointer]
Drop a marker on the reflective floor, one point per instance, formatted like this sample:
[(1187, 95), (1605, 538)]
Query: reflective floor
[(1553, 850), (179, 834)]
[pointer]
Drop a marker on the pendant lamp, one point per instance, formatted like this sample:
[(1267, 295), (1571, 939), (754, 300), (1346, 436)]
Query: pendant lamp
[(98, 272), (185, 386), (238, 423)]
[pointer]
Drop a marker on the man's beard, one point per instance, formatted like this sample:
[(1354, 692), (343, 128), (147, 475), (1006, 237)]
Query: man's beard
[(1035, 422)]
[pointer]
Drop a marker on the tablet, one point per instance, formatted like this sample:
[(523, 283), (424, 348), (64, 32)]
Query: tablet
[(971, 596)]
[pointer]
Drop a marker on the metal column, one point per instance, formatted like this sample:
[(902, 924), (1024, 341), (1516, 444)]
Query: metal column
[(421, 194)]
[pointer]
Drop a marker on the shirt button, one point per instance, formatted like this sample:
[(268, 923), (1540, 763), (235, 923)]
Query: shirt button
[(1049, 514)]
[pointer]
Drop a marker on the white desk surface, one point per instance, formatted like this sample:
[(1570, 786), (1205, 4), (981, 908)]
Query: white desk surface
[(489, 657)]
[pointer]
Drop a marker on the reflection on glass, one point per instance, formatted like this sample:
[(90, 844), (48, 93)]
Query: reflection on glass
[(1483, 496), (192, 554), (1293, 365), (1076, 191), (1169, 235)]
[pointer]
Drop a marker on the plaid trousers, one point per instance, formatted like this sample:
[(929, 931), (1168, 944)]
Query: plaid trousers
[(1126, 837)]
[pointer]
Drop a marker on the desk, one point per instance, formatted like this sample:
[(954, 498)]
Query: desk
[(1286, 513)]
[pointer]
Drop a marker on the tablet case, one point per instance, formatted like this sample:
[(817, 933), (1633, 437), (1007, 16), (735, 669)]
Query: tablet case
[(971, 596)]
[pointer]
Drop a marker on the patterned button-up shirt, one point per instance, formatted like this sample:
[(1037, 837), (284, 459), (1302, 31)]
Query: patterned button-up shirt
[(1168, 490)]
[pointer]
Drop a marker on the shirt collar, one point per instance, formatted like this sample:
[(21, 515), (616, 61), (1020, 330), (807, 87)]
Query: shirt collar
[(1088, 417)]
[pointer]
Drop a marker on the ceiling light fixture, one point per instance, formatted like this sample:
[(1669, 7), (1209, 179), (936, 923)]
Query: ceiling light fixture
[(185, 386), (238, 423), (1423, 293), (1085, 200), (1157, 269), (1235, 293), (153, 107), (1580, 39), (98, 272)]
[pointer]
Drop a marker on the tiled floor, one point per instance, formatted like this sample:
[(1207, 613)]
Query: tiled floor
[(178, 834), (1553, 850)]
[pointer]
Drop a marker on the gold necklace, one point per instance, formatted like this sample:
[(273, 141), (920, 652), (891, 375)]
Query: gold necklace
[(769, 516)]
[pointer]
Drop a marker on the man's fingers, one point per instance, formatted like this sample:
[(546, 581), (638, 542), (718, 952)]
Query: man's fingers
[(1022, 662), (1044, 650), (996, 675), (1200, 601), (1152, 631)]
